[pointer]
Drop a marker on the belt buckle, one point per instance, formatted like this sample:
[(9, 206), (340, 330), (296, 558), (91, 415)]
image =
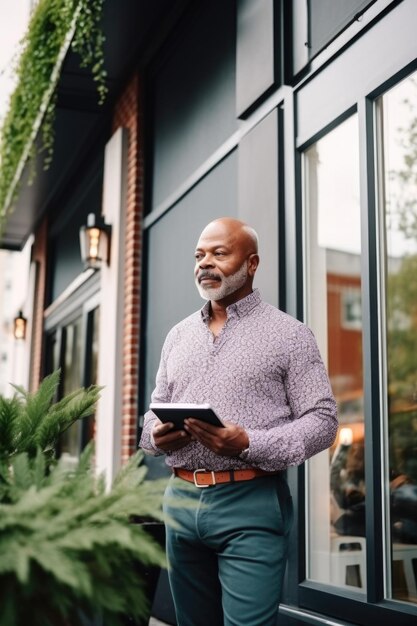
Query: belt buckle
[(198, 471)]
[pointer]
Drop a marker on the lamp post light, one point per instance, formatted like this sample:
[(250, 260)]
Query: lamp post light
[(95, 242), (19, 328)]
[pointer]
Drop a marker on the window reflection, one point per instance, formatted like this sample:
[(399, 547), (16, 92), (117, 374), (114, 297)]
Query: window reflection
[(398, 110), (73, 349), (336, 478), (71, 380), (88, 423), (79, 349)]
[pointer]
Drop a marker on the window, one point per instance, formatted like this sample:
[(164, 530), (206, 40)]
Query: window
[(336, 478), (351, 308), (71, 380), (398, 159), (72, 346), (315, 23), (327, 19)]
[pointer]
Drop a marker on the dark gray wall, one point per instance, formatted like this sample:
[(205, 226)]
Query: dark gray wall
[(256, 69), (64, 242), (193, 95), (258, 198), (249, 181), (171, 293)]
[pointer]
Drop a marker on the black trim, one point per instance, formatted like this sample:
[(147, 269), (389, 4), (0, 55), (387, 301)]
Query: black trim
[(142, 407), (371, 357), (282, 246)]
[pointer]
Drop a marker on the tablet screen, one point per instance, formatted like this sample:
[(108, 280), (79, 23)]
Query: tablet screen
[(177, 412)]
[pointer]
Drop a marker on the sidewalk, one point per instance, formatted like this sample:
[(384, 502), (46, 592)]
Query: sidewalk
[(155, 622)]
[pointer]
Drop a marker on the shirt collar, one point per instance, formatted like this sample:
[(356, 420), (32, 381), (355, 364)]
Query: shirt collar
[(238, 309)]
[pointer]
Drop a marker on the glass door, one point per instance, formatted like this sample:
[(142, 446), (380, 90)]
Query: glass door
[(398, 167), (336, 545)]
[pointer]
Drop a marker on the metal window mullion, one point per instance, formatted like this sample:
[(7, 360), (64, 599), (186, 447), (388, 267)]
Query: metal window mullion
[(371, 353), (293, 279)]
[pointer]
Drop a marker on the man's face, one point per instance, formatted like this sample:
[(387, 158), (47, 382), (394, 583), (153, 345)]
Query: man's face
[(216, 286), (221, 265)]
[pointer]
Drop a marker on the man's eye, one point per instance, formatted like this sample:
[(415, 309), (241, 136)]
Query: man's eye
[(219, 253)]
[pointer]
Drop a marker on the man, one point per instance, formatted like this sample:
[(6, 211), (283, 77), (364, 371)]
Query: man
[(261, 371)]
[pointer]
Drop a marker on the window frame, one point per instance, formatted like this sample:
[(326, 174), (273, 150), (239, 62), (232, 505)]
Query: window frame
[(80, 301), (375, 603)]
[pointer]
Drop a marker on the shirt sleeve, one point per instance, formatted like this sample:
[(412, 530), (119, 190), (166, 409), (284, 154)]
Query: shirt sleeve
[(312, 425), (161, 393)]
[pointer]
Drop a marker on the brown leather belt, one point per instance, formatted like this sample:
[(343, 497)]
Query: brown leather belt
[(204, 478)]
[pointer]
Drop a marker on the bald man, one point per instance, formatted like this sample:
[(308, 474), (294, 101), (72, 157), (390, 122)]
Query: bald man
[(261, 371)]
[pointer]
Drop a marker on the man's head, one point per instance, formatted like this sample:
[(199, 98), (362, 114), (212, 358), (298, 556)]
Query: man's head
[(226, 260)]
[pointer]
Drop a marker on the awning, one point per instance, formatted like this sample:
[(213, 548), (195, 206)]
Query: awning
[(129, 27)]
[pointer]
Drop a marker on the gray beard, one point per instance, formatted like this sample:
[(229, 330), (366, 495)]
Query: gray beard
[(227, 286)]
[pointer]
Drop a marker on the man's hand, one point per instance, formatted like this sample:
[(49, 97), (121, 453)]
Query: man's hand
[(168, 439), (227, 441)]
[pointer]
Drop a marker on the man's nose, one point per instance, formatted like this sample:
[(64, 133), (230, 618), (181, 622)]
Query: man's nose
[(205, 262)]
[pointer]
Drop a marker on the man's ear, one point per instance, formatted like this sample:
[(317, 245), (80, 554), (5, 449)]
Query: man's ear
[(253, 262)]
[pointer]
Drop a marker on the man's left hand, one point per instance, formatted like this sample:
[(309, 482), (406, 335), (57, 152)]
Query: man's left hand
[(228, 441)]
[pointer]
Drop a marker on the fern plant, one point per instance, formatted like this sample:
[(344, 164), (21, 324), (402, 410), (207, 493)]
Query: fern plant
[(31, 421), (69, 552)]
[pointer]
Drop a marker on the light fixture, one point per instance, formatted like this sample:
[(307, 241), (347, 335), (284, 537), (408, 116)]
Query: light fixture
[(19, 328), (95, 242), (346, 436)]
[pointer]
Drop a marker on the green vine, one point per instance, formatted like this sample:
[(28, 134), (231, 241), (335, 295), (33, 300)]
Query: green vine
[(55, 25)]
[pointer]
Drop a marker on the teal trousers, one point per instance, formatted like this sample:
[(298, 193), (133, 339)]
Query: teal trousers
[(227, 550)]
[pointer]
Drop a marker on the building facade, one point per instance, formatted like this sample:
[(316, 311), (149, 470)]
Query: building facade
[(300, 118)]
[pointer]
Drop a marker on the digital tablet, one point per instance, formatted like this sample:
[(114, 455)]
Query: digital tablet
[(177, 412)]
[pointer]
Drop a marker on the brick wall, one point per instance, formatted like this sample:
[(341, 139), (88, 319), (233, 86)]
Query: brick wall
[(127, 115)]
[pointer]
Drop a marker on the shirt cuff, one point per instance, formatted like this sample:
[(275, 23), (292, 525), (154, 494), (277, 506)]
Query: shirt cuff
[(149, 447), (156, 451), (248, 454), (270, 455), (242, 456)]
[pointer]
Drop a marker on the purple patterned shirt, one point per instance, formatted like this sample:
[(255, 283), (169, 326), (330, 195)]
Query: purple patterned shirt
[(263, 371)]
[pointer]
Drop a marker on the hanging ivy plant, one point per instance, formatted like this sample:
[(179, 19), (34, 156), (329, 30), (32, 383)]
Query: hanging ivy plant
[(55, 26)]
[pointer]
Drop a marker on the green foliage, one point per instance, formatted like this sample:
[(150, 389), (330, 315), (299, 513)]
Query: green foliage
[(402, 206), (70, 549), (52, 24), (402, 331), (32, 421), (401, 319)]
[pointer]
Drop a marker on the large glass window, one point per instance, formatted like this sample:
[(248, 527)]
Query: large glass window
[(72, 346), (398, 158), (336, 477)]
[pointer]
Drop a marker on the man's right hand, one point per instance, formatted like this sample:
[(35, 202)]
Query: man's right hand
[(168, 439)]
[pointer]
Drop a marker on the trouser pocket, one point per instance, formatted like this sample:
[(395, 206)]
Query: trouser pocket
[(285, 504)]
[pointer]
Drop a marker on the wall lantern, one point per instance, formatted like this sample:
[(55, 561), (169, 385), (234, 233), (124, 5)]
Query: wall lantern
[(19, 328), (95, 242)]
